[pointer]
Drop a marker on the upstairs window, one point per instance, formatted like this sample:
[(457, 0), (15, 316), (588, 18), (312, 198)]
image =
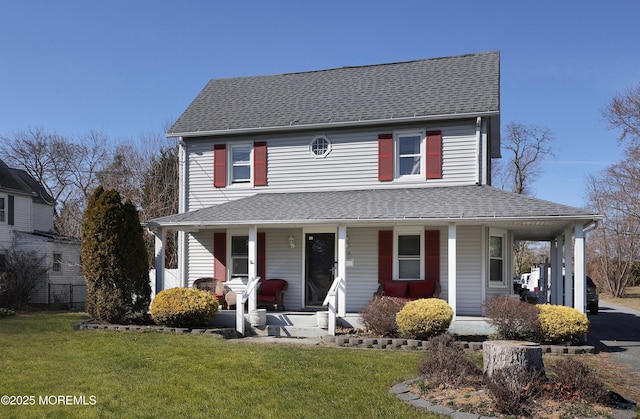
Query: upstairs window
[(57, 262), (241, 163), (320, 146), (409, 154), (2, 210)]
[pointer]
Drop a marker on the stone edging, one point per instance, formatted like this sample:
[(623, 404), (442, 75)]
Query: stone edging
[(226, 333), (421, 345), (403, 392)]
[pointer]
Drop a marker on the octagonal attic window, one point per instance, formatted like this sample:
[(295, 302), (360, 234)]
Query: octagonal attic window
[(320, 146)]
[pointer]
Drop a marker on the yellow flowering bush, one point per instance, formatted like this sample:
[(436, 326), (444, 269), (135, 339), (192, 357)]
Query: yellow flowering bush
[(561, 324), (181, 307), (424, 318)]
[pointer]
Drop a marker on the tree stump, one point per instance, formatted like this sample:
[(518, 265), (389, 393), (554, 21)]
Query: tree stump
[(500, 354)]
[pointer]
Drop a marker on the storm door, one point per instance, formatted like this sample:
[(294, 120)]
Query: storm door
[(319, 269)]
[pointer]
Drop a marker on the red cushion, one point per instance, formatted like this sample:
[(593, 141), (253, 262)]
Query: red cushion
[(395, 289), (270, 287), (422, 289)]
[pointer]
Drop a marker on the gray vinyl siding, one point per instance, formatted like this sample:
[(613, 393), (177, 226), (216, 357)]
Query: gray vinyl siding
[(469, 270), (42, 217), (283, 262), (351, 164), (362, 277), (199, 256)]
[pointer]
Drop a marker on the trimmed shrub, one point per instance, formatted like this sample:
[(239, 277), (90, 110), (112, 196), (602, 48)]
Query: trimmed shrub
[(424, 318), (379, 315), (561, 324), (514, 319), (447, 365), (182, 307)]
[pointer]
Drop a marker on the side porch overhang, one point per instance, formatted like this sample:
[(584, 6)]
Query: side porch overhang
[(524, 217)]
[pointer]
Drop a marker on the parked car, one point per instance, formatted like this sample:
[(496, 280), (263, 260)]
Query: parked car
[(593, 302)]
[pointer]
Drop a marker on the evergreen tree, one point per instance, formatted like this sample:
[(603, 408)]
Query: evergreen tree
[(114, 258)]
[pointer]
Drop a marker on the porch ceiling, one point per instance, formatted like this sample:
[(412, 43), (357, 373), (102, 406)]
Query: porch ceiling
[(529, 218)]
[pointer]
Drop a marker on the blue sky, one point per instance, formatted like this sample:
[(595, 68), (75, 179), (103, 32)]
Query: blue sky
[(126, 68)]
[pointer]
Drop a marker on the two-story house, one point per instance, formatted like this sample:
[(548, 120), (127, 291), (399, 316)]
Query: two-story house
[(370, 174), (26, 224)]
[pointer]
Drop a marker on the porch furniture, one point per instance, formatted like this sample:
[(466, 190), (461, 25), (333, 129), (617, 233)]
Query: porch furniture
[(214, 287), (411, 290), (271, 293)]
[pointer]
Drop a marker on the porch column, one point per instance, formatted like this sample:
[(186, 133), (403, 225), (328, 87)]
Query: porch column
[(580, 290), (452, 262), (253, 264), (342, 270), (159, 265), (556, 271), (568, 269)]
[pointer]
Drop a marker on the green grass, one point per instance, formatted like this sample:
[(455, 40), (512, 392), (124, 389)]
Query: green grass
[(134, 374)]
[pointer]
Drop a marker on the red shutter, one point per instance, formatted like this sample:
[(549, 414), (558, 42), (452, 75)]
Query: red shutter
[(434, 155), (259, 163), (385, 255), (262, 256), (220, 256), (220, 165), (432, 255), (385, 157)]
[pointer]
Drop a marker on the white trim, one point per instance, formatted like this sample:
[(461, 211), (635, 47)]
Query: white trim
[(407, 231), (237, 233), (253, 130), (396, 155), (580, 297), (498, 232), (452, 262), (327, 151)]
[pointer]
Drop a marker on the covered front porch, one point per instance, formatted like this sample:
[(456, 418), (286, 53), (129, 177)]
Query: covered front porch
[(464, 238)]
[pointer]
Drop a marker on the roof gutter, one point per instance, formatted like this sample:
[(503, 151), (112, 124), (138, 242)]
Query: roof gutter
[(346, 124)]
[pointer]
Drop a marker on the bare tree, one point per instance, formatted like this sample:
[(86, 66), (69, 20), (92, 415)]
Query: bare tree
[(623, 112), (525, 149)]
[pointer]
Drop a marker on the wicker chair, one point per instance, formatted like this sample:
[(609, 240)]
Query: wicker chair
[(214, 287)]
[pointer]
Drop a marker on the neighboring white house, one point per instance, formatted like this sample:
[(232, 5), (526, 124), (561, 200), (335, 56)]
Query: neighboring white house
[(26, 223), (370, 173)]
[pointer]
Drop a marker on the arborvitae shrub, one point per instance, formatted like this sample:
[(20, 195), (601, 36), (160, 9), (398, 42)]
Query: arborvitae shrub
[(181, 307), (561, 324), (379, 315), (424, 318), (114, 258), (514, 319)]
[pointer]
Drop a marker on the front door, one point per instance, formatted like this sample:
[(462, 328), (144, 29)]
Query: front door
[(320, 262)]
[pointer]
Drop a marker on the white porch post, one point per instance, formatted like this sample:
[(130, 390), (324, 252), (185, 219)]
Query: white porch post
[(253, 264), (159, 251), (342, 270), (452, 262), (568, 269), (580, 297)]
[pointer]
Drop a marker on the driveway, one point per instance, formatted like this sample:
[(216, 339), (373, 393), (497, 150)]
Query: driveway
[(616, 330)]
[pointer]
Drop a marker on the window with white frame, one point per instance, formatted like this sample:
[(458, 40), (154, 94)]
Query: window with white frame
[(240, 157), (57, 262), (2, 209), (239, 256), (497, 258), (409, 153), (408, 254), (3, 262), (320, 146)]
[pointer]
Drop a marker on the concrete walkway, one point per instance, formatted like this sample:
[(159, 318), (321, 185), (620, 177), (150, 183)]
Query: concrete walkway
[(616, 330)]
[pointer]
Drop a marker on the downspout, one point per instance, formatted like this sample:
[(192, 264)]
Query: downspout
[(182, 208), (479, 153)]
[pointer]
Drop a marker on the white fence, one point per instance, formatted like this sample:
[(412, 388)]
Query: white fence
[(171, 280)]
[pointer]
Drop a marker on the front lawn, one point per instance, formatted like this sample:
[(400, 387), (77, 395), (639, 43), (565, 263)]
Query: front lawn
[(133, 374)]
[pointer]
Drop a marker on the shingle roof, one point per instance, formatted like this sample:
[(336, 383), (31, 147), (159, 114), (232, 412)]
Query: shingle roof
[(455, 203), (19, 181), (459, 85)]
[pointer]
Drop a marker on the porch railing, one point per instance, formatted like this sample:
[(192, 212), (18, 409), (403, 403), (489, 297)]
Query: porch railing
[(243, 296), (333, 300)]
